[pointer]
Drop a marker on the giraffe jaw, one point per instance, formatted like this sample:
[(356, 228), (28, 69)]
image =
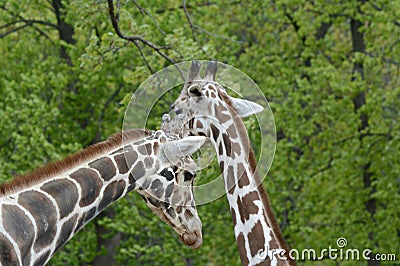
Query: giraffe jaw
[(192, 238)]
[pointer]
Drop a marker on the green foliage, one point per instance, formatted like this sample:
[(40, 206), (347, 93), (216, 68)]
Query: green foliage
[(300, 53)]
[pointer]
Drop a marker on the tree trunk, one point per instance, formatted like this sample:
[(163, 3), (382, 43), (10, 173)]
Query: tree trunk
[(110, 244), (358, 101), (65, 30)]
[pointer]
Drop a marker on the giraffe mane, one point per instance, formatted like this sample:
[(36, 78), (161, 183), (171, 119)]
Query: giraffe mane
[(57, 167)]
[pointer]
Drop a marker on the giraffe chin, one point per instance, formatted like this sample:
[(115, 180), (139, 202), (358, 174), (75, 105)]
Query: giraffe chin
[(193, 240)]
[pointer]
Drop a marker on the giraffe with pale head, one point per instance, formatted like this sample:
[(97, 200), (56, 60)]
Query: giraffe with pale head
[(211, 112), (41, 211)]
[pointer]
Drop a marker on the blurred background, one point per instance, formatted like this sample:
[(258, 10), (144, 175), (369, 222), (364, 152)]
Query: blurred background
[(330, 70)]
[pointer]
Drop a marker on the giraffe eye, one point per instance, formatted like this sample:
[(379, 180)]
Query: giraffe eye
[(195, 91)]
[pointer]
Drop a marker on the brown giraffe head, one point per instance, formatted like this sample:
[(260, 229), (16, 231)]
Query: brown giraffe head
[(170, 196), (201, 95), (211, 112)]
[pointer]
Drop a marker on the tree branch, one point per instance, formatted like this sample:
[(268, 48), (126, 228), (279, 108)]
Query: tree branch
[(193, 29), (324, 168), (27, 23), (41, 22), (115, 19), (207, 3), (397, 23), (144, 57), (2, 35), (217, 35), (145, 12)]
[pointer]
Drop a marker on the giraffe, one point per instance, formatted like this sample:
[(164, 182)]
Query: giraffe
[(41, 211), (211, 112)]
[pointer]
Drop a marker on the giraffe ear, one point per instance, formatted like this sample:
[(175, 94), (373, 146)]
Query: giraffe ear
[(246, 108), (174, 150)]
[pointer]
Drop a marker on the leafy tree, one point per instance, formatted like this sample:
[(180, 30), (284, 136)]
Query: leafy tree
[(329, 69)]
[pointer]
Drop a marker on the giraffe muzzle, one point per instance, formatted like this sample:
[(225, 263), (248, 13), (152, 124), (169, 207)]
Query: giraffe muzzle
[(192, 239)]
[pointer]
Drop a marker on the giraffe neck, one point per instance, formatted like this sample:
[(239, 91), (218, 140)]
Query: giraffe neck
[(37, 219), (256, 230), (213, 113)]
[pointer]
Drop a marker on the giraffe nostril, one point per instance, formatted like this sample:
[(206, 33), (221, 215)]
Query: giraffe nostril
[(188, 214), (193, 239)]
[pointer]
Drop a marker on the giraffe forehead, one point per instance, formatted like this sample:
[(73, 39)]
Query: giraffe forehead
[(213, 86), (205, 85), (209, 89)]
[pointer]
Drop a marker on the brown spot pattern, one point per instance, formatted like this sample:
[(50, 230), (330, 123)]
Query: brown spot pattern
[(236, 149), (220, 148), (105, 167), (220, 112), (242, 250), (138, 171), (145, 149), (111, 193), (188, 214), (232, 131), (44, 213), (222, 166), (199, 124), (266, 262), (248, 202), (243, 177), (169, 190), (240, 209), (233, 212), (148, 162), (215, 132), (246, 205), (8, 257), (86, 217), (131, 157), (42, 259), (227, 143), (156, 147), (256, 239), (64, 193), (20, 228), (66, 231), (90, 184), (230, 180), (157, 188), (121, 163)]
